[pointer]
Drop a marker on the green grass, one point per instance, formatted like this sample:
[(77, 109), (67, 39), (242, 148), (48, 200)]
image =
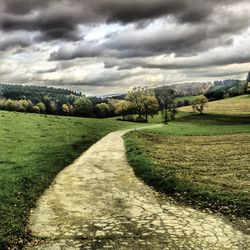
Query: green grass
[(207, 124), (183, 98), (34, 148)]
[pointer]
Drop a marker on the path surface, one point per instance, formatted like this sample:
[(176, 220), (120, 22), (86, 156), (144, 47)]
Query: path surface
[(98, 203)]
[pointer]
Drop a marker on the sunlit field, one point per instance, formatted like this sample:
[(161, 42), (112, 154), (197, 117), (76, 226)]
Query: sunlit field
[(235, 105)]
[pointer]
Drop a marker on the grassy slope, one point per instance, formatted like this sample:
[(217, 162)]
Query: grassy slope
[(236, 105), (34, 148), (203, 159)]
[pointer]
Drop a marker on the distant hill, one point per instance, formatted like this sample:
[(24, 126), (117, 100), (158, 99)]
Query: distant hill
[(181, 89), (188, 88), (37, 93)]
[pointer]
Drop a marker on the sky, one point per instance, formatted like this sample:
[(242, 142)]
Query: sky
[(110, 46)]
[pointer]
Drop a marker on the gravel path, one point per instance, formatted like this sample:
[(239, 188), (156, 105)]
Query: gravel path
[(98, 203)]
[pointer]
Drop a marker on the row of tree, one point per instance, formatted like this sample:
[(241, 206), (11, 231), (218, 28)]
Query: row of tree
[(225, 89), (40, 107), (139, 104), (37, 94)]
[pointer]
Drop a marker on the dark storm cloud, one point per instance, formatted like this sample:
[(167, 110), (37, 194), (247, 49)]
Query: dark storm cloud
[(145, 43), (59, 19), (51, 25), (15, 42), (149, 38), (80, 51), (189, 63), (124, 10)]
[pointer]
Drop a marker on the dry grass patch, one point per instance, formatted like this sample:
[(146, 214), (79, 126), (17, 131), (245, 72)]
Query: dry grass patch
[(236, 105), (211, 170)]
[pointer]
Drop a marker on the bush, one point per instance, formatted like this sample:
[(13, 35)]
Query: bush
[(83, 107), (41, 107), (36, 109)]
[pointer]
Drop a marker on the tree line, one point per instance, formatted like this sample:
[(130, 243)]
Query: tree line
[(225, 89), (138, 105)]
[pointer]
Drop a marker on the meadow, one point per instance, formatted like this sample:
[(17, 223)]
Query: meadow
[(235, 105), (34, 148), (183, 98), (200, 159)]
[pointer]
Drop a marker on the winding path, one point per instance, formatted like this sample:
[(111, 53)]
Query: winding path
[(98, 203)]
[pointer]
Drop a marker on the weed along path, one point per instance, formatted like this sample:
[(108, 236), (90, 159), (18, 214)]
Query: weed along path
[(98, 203)]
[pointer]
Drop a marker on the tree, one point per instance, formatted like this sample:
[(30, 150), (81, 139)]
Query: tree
[(151, 105), (42, 107), (186, 102), (112, 104), (248, 77), (83, 106), (247, 86), (101, 110), (167, 105), (144, 102), (29, 107), (179, 104), (122, 108), (2, 104), (199, 104), (36, 109), (65, 109)]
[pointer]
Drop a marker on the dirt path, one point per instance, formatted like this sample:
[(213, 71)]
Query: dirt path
[(98, 203)]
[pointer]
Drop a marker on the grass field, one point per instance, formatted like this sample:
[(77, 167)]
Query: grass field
[(236, 105), (207, 124), (202, 159), (183, 98), (181, 157), (34, 148), (208, 171)]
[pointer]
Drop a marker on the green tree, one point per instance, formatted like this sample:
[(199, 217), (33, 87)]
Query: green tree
[(123, 108), (42, 107), (2, 104), (102, 110), (167, 105), (24, 105), (186, 102), (112, 104), (247, 85), (199, 104), (10, 105), (29, 107), (144, 102), (83, 106), (20, 106), (36, 109)]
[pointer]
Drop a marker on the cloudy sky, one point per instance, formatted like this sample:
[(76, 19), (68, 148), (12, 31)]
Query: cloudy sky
[(109, 46)]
